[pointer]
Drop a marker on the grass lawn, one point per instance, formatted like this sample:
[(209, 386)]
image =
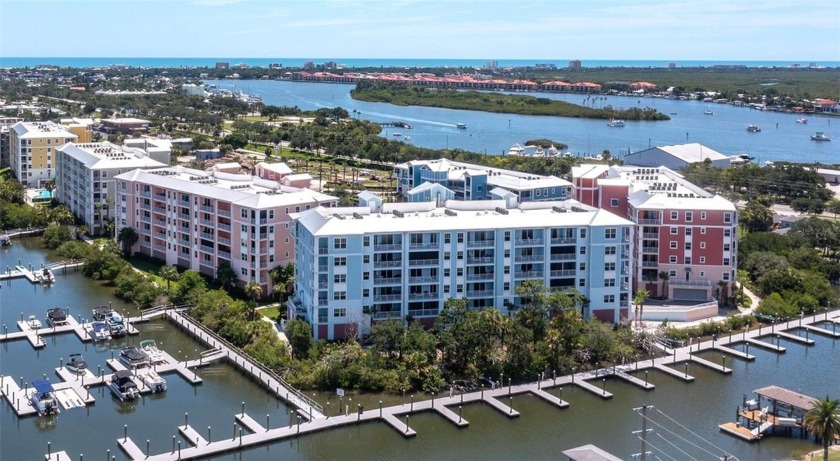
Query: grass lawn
[(272, 312), (150, 269)]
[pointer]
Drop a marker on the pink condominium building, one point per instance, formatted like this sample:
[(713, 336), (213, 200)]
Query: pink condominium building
[(200, 219), (686, 237)]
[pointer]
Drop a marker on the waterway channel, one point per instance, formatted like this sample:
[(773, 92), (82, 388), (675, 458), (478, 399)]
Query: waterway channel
[(781, 137), (540, 433)]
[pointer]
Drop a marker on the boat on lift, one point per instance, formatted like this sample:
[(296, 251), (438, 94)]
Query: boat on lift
[(149, 347), (133, 357), (43, 399), (123, 386), (152, 380), (77, 364), (57, 316), (100, 331), (112, 318), (33, 323)]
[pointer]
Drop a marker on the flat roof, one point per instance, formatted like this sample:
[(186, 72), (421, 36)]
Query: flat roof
[(690, 153), (589, 453), (105, 155), (29, 130), (780, 394)]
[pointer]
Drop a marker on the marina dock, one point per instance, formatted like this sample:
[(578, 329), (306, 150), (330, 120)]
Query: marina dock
[(501, 398)]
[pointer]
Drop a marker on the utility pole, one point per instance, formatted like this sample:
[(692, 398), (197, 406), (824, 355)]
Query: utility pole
[(643, 412)]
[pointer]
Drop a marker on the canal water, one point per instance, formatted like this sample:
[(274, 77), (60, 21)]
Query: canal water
[(541, 432), (781, 138)]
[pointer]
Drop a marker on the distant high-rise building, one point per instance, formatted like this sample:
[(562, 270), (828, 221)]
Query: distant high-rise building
[(491, 65), (309, 65), (672, 65), (575, 64), (222, 65)]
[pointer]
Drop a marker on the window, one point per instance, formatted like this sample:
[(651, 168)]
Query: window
[(725, 247), (609, 250), (689, 216), (583, 250), (702, 260), (365, 275), (675, 230), (366, 241), (341, 261), (366, 293), (609, 266), (672, 273), (507, 270), (447, 237), (460, 255), (703, 231), (581, 282), (673, 244), (507, 253), (702, 215), (460, 237), (727, 232), (672, 259), (506, 286), (688, 245), (340, 278), (243, 213), (339, 295), (446, 272), (675, 215), (609, 282), (446, 255), (340, 243), (507, 236), (702, 273), (727, 217), (366, 259), (726, 276), (702, 245), (725, 261), (340, 312), (582, 267), (688, 260), (583, 233), (609, 299), (459, 272), (244, 271), (614, 202), (688, 231), (609, 233)]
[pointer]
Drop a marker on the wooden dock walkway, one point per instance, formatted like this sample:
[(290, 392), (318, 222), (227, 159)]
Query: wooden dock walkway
[(765, 345), (735, 353), (795, 338), (821, 331)]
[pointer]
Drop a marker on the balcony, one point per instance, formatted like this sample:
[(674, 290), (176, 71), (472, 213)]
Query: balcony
[(389, 315), (689, 283), (259, 221), (207, 222), (563, 241), (423, 312), (529, 242), (566, 273), (223, 241), (159, 209), (225, 213), (145, 206), (146, 193), (424, 246), (481, 260), (207, 208), (159, 222), (423, 296), (650, 221), (377, 281), (425, 279), (563, 257), (184, 216), (224, 227), (473, 277), (159, 247), (650, 249), (160, 235), (161, 197), (529, 258), (480, 294), (323, 269), (384, 264), (388, 247), (650, 264), (481, 243), (389, 297), (207, 236), (207, 249), (423, 262), (650, 235), (529, 275), (224, 254)]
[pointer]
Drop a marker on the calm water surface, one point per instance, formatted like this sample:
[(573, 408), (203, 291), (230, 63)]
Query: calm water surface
[(540, 433), (781, 137)]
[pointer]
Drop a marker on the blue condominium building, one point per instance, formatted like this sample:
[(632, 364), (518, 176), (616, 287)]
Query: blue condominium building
[(359, 265)]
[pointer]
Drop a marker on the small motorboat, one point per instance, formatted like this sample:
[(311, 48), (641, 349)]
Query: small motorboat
[(33, 323), (5, 240), (802, 120), (123, 386), (77, 364), (516, 150), (616, 123), (753, 129), (407, 138), (152, 380), (461, 126), (100, 331), (102, 313), (57, 316), (133, 357), (46, 277), (708, 112), (397, 134), (820, 136), (149, 347), (43, 399)]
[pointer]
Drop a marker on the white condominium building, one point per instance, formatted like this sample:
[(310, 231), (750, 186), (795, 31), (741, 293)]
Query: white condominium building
[(85, 178), (356, 266), (200, 219)]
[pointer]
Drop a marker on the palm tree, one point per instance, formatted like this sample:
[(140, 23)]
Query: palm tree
[(253, 289), (168, 273), (722, 288), (824, 421), (225, 275), (128, 237), (664, 276), (639, 301), (283, 278)]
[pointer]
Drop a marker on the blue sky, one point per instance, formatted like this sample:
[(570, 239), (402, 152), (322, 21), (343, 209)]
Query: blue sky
[(798, 30)]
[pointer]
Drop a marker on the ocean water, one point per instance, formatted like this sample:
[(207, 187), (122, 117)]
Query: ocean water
[(20, 62)]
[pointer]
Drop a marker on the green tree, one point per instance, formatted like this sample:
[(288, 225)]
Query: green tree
[(127, 237), (283, 277), (824, 421), (189, 289), (299, 333), (639, 302), (55, 235), (225, 275), (664, 276), (170, 274), (756, 217), (253, 290)]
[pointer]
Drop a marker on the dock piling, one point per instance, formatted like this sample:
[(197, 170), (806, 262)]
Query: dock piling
[(510, 407), (406, 424), (179, 447), (267, 422), (412, 400), (380, 408), (125, 433), (686, 369), (604, 386), (186, 420), (49, 450), (208, 436), (108, 454), (460, 408), (173, 443)]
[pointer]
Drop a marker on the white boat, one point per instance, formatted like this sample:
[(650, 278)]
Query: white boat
[(616, 123), (77, 364), (5, 240), (149, 347), (123, 386), (100, 331), (820, 136), (708, 112), (461, 126), (133, 357), (57, 316), (802, 120), (151, 379), (753, 129), (33, 323), (407, 138), (43, 399), (397, 134), (516, 150)]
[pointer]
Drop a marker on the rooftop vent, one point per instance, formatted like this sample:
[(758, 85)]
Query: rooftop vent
[(448, 212)]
